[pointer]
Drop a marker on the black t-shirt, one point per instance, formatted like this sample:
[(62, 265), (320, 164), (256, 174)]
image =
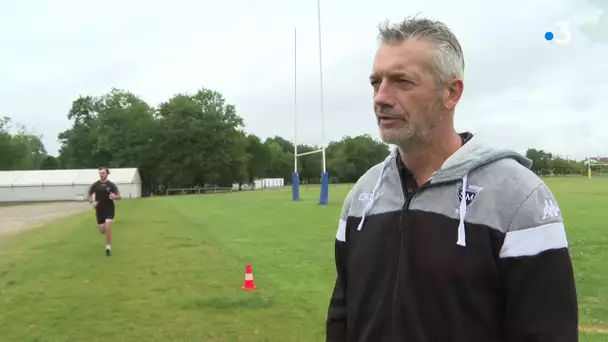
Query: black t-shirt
[(102, 193), (408, 182)]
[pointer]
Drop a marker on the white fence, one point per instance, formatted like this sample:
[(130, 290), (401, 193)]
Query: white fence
[(259, 184), (269, 183)]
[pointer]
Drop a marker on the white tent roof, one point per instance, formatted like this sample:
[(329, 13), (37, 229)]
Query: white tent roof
[(7, 178), (45, 177), (118, 176), (65, 177)]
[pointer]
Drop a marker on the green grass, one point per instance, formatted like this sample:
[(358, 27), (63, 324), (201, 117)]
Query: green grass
[(179, 263)]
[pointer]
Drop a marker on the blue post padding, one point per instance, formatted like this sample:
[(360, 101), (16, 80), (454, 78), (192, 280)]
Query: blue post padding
[(324, 189), (295, 186)]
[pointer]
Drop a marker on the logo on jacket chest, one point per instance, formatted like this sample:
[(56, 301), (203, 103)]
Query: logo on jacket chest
[(367, 196), (470, 194)]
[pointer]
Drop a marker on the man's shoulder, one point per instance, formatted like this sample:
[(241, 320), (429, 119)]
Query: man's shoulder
[(511, 176), (511, 187), (503, 191)]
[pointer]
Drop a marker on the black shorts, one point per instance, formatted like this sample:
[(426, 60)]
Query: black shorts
[(104, 214)]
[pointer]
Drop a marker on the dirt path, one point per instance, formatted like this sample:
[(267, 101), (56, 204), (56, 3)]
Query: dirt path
[(15, 219)]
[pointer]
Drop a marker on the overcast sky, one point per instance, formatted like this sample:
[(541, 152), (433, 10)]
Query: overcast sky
[(520, 90)]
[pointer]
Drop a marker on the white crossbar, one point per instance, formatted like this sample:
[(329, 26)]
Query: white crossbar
[(310, 152)]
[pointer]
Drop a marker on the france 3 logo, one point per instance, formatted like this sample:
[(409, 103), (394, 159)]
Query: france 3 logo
[(564, 35)]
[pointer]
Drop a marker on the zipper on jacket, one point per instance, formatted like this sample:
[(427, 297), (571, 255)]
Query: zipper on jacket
[(402, 214), (404, 209), (402, 238)]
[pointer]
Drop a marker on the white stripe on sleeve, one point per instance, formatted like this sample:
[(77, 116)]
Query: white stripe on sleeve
[(341, 234), (532, 241)]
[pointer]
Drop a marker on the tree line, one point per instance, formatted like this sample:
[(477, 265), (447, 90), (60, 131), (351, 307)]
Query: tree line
[(21, 149), (546, 163), (189, 140), (193, 140)]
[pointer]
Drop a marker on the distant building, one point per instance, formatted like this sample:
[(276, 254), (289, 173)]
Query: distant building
[(597, 161), (63, 185)]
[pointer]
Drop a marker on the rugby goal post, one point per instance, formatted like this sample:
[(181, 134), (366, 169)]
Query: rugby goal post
[(591, 165), (295, 177)]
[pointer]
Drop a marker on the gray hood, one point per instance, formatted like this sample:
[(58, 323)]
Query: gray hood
[(475, 153), (472, 155)]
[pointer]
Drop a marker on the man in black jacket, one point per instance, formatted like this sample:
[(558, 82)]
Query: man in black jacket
[(447, 239)]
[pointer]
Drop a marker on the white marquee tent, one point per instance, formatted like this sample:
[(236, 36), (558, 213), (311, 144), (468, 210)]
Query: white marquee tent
[(63, 185)]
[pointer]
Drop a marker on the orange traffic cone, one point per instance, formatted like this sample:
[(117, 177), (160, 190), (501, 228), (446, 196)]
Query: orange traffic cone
[(249, 283)]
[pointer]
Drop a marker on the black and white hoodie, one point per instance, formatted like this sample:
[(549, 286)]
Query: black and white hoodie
[(419, 264)]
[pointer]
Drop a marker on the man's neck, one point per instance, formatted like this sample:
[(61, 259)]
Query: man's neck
[(424, 159)]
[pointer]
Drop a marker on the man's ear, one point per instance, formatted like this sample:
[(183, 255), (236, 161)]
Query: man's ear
[(452, 93)]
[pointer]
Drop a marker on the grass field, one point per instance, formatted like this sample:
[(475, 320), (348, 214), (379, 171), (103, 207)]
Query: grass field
[(179, 263)]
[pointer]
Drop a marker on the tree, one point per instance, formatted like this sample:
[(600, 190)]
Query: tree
[(258, 158), (559, 165), (50, 163), (201, 141), (29, 149), (286, 145), (77, 143), (281, 162), (540, 159), (114, 130), (350, 158), (23, 150), (6, 145)]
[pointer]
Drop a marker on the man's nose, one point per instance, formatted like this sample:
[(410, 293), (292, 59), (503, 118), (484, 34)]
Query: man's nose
[(384, 95)]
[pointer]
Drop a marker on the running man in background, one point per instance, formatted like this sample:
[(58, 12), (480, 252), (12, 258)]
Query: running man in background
[(105, 193)]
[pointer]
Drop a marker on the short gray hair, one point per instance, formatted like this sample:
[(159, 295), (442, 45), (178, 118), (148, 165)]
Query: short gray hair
[(447, 60)]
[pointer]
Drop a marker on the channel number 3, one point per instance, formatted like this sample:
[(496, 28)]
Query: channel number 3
[(565, 36)]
